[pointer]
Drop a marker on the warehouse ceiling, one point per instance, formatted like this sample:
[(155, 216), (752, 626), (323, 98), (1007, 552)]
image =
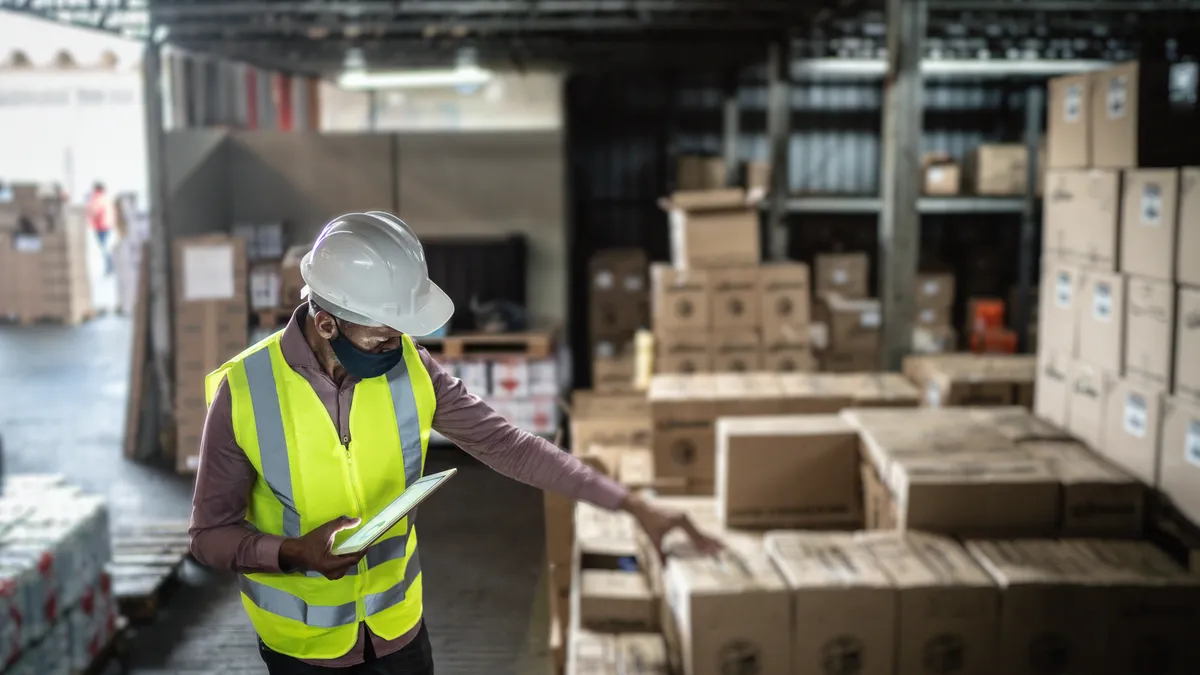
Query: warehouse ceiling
[(316, 36)]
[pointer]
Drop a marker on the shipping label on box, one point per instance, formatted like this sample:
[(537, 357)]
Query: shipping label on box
[(510, 379), (1132, 427), (679, 299), (1149, 223), (1149, 331), (1068, 123), (735, 295), (1102, 319), (935, 291), (265, 286), (1179, 464), (1059, 310)]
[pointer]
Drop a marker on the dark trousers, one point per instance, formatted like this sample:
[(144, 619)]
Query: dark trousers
[(416, 658), (102, 238)]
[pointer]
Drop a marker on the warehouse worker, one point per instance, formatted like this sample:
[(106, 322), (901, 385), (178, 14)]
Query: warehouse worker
[(319, 426)]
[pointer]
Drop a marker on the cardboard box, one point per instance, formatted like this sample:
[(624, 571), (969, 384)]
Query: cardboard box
[(1179, 462), (697, 172), (618, 297), (979, 380), (590, 653), (264, 241), (836, 361), (930, 317), (1050, 616), (879, 506), (1187, 345), (736, 350), (291, 281), (1087, 407), (843, 604), (942, 176), (616, 600), (1052, 389), (1101, 321), (785, 306), (948, 607), (1059, 310), (1149, 223), (844, 273), (1068, 123), (683, 410), (1143, 115), (889, 390), (1098, 499), (265, 286), (614, 363), (732, 613), (618, 420), (1149, 331), (713, 228), (788, 359), (603, 538), (1132, 429), (935, 291), (735, 298), (1187, 263), (787, 472), (1082, 218), (758, 178), (854, 324), (560, 533), (679, 299), (998, 169), (641, 654), (684, 352)]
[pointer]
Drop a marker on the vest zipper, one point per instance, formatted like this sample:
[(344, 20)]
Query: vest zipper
[(360, 578)]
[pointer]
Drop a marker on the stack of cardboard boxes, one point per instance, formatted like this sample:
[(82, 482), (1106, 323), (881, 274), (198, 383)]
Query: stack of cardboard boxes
[(849, 340), (716, 308), (619, 305), (43, 258), (210, 328), (933, 331), (973, 379), (1119, 338)]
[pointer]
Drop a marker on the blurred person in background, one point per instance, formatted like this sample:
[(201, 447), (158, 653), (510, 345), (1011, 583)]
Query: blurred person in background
[(100, 217), (318, 427)]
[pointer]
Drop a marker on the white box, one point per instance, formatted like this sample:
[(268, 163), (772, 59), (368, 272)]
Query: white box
[(542, 416), (543, 377), (474, 376), (510, 379), (266, 287)]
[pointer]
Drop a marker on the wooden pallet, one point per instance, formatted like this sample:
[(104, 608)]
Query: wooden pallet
[(1172, 532), (534, 345), (146, 561)]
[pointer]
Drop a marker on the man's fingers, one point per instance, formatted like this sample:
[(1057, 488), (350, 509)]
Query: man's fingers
[(345, 523)]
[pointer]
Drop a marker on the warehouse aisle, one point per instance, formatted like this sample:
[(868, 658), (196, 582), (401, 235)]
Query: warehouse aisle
[(481, 537)]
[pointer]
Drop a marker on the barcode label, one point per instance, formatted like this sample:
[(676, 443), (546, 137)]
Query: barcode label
[(1102, 302), (933, 395), (1115, 100), (1152, 205), (634, 283), (27, 244), (931, 287), (1191, 445), (1062, 290), (1073, 103), (869, 319), (1184, 81), (604, 280), (1135, 415), (839, 277)]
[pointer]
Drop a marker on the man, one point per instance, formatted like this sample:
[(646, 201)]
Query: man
[(318, 427), (100, 218)]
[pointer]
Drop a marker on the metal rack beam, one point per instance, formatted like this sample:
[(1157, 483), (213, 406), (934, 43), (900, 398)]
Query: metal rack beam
[(877, 68), (925, 205)]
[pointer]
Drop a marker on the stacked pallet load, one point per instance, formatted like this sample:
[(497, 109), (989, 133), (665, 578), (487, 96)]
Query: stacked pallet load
[(55, 597), (266, 251), (716, 307), (849, 321), (933, 324), (973, 379), (1119, 317), (619, 303), (43, 258)]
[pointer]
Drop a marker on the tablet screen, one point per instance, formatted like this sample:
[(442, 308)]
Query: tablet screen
[(392, 513)]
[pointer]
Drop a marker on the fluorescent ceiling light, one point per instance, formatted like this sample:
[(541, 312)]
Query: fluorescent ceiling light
[(415, 79)]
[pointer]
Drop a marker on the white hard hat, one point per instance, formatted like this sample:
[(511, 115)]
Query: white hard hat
[(369, 269)]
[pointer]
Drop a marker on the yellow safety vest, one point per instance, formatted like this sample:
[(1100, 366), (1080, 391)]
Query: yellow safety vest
[(308, 476)]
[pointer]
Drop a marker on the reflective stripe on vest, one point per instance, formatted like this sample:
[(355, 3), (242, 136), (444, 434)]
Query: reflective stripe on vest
[(276, 472), (282, 603)]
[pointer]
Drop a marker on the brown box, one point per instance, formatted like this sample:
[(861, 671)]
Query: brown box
[(1087, 405), (758, 177), (787, 472), (734, 609), (1179, 462), (1052, 388), (614, 373), (1187, 345), (641, 654), (736, 351), (291, 282), (948, 607), (618, 299), (697, 172), (853, 323), (1101, 320), (1098, 499), (560, 536), (613, 420), (682, 409), (1059, 310), (616, 600), (713, 228), (1144, 115), (1132, 429), (998, 169), (843, 604), (932, 317), (679, 299), (942, 176), (859, 361), (786, 293), (1068, 141), (1149, 223), (684, 352), (590, 653), (1149, 331), (883, 390), (788, 359), (735, 298), (879, 506), (1187, 263), (1082, 216), (935, 291), (843, 273)]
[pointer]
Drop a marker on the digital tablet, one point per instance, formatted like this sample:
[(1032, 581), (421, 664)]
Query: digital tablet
[(408, 500)]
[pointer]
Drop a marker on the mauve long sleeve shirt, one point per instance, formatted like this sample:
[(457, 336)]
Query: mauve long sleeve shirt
[(220, 536)]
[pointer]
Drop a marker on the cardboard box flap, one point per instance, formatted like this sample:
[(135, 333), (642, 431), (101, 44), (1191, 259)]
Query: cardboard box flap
[(590, 404), (1018, 562), (823, 559), (790, 425), (707, 200), (1018, 424), (915, 560), (604, 532), (728, 573), (1072, 463), (642, 654), (1004, 469)]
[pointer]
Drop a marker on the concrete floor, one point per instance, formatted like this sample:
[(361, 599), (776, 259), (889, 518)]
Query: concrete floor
[(63, 411)]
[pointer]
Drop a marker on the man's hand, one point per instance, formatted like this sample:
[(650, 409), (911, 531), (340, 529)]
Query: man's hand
[(657, 523), (314, 552)]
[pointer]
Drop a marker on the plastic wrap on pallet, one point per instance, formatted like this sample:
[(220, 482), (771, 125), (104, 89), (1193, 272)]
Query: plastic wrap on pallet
[(56, 605)]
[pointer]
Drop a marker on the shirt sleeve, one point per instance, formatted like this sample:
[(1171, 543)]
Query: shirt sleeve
[(219, 533), (469, 422)]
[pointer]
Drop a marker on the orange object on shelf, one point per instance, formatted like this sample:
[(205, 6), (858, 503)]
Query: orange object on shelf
[(994, 341), (986, 314)]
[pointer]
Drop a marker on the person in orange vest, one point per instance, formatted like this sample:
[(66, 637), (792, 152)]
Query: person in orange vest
[(100, 219)]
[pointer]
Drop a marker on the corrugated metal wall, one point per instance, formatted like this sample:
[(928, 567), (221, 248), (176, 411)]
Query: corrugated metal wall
[(623, 135)]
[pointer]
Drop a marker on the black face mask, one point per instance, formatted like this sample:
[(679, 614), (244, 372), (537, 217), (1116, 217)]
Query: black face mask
[(361, 364)]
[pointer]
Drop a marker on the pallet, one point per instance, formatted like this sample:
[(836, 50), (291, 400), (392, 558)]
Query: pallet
[(116, 650), (1173, 533), (146, 561), (534, 345)]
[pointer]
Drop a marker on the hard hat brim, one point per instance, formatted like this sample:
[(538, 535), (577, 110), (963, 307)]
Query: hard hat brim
[(436, 312)]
